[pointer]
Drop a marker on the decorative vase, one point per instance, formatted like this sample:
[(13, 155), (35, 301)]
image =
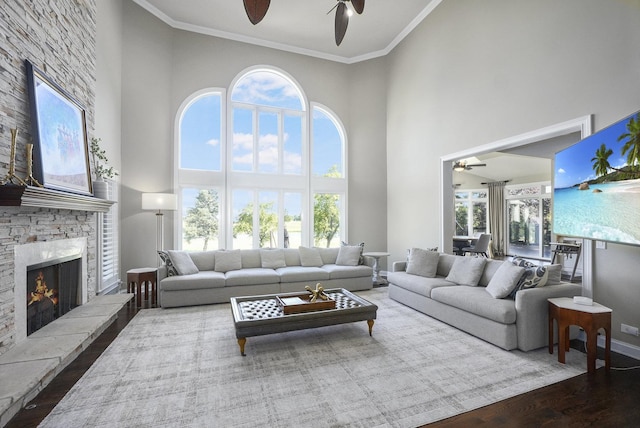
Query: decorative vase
[(101, 189)]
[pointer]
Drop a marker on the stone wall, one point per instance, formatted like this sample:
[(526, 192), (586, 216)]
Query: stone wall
[(58, 37)]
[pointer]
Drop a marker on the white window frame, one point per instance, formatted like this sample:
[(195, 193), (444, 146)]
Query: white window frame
[(108, 245), (470, 200), (545, 192), (226, 180)]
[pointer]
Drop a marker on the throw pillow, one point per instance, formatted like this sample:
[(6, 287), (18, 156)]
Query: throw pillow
[(466, 270), (555, 274), (361, 260), (272, 259), (533, 277), (310, 257), (182, 262), (171, 269), (228, 260), (505, 280), (423, 262), (349, 255)]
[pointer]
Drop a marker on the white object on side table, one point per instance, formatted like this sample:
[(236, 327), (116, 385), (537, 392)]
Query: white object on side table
[(376, 255)]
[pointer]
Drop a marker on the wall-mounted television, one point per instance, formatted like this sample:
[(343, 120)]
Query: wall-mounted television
[(596, 191)]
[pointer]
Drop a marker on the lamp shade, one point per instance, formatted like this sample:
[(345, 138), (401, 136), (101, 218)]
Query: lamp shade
[(159, 201)]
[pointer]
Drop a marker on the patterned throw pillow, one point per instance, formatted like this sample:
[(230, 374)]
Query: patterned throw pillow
[(534, 276), (171, 269)]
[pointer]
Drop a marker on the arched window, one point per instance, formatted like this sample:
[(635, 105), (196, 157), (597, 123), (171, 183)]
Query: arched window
[(276, 178)]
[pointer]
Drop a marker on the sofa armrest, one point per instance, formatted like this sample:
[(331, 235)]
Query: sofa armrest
[(162, 273), (532, 313), (399, 266)]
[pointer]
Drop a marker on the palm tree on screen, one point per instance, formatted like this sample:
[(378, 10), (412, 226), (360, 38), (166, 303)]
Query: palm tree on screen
[(632, 146), (601, 164)]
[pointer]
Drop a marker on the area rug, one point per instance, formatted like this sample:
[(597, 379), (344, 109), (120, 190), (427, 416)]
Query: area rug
[(182, 368)]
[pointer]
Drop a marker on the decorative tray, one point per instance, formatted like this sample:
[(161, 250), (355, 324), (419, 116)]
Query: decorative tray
[(297, 303)]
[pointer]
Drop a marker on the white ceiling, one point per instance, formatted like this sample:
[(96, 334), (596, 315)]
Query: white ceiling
[(506, 167), (300, 26)]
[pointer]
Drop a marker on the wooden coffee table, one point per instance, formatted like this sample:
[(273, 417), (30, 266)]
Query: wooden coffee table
[(261, 315)]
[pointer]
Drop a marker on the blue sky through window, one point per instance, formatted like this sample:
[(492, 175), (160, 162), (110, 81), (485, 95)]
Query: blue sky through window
[(200, 134)]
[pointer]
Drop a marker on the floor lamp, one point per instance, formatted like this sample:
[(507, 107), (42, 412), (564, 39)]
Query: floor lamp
[(159, 202)]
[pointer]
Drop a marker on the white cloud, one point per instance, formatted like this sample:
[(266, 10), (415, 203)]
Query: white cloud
[(264, 87), (292, 162), (242, 141), (561, 171), (213, 142)]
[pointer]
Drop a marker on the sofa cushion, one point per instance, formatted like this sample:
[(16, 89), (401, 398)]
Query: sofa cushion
[(477, 301), (466, 270), (251, 276), (299, 273), (329, 255), (423, 262), (490, 269), (342, 272), (272, 258), (182, 262), (417, 284), (292, 256), (310, 257), (201, 280), (555, 274), (250, 259), (505, 280), (228, 260), (361, 259), (204, 260), (444, 264), (349, 255)]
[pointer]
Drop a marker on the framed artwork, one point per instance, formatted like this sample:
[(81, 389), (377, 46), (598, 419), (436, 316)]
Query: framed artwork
[(59, 130)]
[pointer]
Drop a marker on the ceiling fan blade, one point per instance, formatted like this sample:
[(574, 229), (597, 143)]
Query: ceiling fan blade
[(358, 5), (331, 10), (256, 9), (477, 164), (342, 21)]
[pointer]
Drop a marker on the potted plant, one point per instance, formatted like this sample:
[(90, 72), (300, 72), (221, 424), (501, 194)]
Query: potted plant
[(100, 169)]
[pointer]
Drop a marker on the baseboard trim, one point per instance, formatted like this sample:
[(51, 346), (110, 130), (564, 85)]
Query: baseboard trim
[(617, 346)]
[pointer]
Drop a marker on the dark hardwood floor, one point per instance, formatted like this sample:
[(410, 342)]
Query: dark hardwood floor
[(602, 399)]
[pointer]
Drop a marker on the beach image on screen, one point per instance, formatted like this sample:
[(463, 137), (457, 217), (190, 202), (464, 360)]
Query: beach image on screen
[(597, 185)]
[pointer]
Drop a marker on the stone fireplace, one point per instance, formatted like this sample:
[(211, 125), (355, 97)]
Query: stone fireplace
[(32, 259)]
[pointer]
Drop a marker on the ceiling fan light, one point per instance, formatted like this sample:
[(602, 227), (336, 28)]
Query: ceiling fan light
[(458, 168)]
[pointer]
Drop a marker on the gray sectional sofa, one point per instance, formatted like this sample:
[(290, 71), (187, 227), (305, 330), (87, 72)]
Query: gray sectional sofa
[(205, 277), (431, 285)]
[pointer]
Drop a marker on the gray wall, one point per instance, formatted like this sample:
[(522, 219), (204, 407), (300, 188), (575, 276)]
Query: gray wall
[(163, 66), (473, 73), (67, 54)]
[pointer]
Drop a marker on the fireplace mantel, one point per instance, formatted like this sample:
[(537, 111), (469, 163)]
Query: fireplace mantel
[(42, 197)]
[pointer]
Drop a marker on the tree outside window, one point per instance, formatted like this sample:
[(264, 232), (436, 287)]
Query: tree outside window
[(201, 224)]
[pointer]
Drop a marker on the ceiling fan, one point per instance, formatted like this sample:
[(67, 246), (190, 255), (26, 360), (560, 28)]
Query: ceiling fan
[(463, 166), (342, 16), (257, 9)]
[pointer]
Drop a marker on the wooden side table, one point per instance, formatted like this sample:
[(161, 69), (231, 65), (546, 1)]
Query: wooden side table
[(136, 278), (590, 318)]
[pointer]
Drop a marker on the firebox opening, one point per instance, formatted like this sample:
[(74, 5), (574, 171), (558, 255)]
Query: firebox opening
[(53, 289)]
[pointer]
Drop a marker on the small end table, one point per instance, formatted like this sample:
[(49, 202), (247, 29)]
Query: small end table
[(136, 278), (590, 318), (376, 255)]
